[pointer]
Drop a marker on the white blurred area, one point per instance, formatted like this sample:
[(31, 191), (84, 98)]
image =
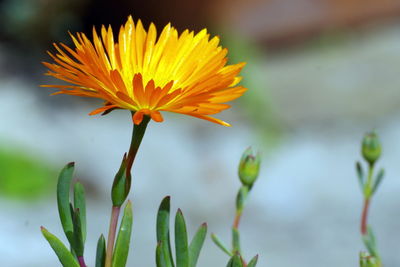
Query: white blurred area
[(303, 211)]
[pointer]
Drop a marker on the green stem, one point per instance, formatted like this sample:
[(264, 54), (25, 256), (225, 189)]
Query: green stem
[(368, 185), (137, 137), (367, 199)]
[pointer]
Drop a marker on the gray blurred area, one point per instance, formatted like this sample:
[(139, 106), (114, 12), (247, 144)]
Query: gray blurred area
[(316, 84)]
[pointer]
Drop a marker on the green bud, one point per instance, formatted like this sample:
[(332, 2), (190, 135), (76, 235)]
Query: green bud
[(121, 185), (367, 260), (371, 148), (249, 167)]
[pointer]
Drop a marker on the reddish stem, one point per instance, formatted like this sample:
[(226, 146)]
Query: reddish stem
[(111, 234), (364, 217), (237, 220), (81, 261)]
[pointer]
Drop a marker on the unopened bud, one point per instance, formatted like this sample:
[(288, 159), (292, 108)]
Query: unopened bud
[(121, 185), (368, 261), (249, 167), (371, 148)]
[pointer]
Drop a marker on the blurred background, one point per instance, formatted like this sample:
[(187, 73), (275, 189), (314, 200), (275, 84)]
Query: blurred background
[(320, 74)]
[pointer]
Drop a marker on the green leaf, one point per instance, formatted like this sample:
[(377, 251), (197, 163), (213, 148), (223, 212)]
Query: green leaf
[(160, 261), (360, 174), (64, 255), (63, 188), (78, 244), (101, 252), (196, 244), (163, 231), (80, 203), (219, 243), (253, 261), (181, 241), (378, 180), (235, 240), (235, 261), (370, 242), (121, 251), (241, 198)]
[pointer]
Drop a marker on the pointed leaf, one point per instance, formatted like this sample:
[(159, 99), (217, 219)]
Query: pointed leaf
[(63, 188), (64, 255), (80, 203), (241, 198), (235, 240), (101, 252), (253, 261), (78, 244), (181, 241), (163, 231), (160, 261), (378, 180), (235, 261), (196, 244), (121, 251), (360, 174), (219, 243)]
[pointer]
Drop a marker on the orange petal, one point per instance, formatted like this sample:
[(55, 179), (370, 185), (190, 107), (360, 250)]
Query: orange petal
[(156, 116), (137, 117), (102, 109)]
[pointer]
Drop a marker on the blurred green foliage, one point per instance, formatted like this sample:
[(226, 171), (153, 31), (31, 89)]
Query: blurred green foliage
[(257, 103), (23, 176)]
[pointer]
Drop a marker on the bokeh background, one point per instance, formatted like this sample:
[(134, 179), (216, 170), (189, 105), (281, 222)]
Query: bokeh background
[(320, 74)]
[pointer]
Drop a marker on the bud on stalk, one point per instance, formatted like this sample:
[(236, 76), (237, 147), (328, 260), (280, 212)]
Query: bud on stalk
[(371, 148), (249, 167)]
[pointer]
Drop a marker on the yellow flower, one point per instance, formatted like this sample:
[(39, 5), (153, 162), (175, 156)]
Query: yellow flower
[(186, 73)]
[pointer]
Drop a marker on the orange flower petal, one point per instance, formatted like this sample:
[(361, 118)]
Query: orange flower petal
[(184, 73)]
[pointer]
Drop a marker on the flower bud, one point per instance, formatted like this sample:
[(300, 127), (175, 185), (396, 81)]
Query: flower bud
[(121, 185), (369, 261), (249, 167), (371, 148)]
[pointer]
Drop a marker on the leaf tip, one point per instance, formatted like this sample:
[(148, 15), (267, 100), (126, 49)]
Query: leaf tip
[(71, 164)]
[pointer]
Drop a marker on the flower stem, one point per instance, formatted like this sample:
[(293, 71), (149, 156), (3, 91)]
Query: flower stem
[(111, 234), (81, 261), (237, 220), (137, 136), (364, 217)]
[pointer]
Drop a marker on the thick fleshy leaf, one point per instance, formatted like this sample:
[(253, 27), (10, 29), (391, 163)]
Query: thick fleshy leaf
[(101, 252), (80, 204), (160, 261), (63, 188), (235, 240), (78, 244), (196, 244), (163, 231), (360, 174), (370, 242), (378, 180), (181, 241), (235, 261), (219, 243), (64, 255), (121, 251), (241, 198), (253, 261)]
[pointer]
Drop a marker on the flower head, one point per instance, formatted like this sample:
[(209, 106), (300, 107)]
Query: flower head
[(186, 73)]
